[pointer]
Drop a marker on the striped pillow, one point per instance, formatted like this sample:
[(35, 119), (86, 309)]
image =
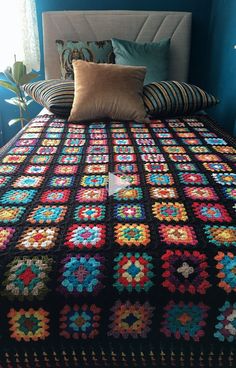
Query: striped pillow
[(175, 98), (55, 94)]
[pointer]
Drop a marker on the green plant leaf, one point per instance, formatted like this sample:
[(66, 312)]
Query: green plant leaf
[(9, 86), (8, 74), (12, 101), (27, 78), (18, 71), (14, 121)]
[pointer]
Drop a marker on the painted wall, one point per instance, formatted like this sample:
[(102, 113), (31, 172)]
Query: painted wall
[(221, 78), (202, 10)]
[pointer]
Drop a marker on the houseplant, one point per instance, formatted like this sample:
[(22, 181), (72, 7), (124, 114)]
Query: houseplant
[(14, 78)]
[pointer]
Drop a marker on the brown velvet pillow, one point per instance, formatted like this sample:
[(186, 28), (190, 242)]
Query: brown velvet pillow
[(107, 91)]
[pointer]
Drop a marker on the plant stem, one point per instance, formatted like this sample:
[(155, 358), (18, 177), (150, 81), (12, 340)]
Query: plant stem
[(21, 117)]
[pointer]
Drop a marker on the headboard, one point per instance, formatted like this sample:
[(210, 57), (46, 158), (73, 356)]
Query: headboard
[(140, 26)]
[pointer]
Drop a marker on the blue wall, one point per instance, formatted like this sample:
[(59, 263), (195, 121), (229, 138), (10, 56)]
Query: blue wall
[(221, 69), (202, 10)]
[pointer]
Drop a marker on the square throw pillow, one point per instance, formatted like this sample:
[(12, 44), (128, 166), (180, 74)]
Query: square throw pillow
[(107, 91), (175, 98), (95, 51), (154, 55)]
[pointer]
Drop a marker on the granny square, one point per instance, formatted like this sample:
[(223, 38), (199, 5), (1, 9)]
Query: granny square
[(47, 214), (6, 233), (176, 234), (11, 214), (18, 196), (129, 212), (132, 235), (55, 196), (89, 212), (212, 212), (28, 182), (28, 325), (221, 235), (81, 274), (225, 328), (86, 236), (130, 319), (27, 278), (185, 271), (80, 321), (169, 211), (37, 238), (91, 195), (184, 321), (133, 272)]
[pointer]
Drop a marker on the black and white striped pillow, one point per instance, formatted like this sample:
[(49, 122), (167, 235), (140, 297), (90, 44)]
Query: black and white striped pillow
[(55, 94)]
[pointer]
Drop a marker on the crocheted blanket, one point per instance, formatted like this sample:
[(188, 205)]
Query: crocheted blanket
[(154, 261)]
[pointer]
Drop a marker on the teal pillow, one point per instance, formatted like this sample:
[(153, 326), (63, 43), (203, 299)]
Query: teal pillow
[(95, 51), (155, 56)]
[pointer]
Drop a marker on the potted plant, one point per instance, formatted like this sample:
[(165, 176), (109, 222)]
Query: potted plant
[(15, 78)]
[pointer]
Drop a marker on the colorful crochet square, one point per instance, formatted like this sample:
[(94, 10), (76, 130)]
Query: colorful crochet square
[(41, 159), (4, 180), (55, 196), (175, 149), (81, 274), (91, 195), (129, 212), (186, 167), (193, 178), (132, 234), (130, 320), (211, 212), (97, 159), (96, 150), (14, 159), (6, 233), (28, 325), (69, 159), (8, 169), (169, 211), (230, 193), (28, 182), (46, 150), (27, 278), (184, 321), (225, 328), (221, 235), (94, 181), (133, 272), (61, 181), (86, 236), (226, 267), (18, 196), (80, 322), (96, 169), (225, 178), (129, 194), (163, 193), (33, 169), (201, 193), (126, 168), (208, 158), (11, 214), (38, 238), (66, 169), (159, 179), (185, 272), (215, 141), (219, 166), (175, 234), (90, 212), (155, 167), (47, 214)]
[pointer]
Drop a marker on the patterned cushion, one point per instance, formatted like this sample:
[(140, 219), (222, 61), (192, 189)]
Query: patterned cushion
[(55, 94), (96, 51), (173, 98)]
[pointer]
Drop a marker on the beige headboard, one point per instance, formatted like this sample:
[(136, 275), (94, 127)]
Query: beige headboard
[(140, 26)]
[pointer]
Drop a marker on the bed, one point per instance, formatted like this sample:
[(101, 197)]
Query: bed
[(145, 277)]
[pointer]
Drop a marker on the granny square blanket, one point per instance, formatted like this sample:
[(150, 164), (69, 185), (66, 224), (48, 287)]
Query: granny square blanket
[(154, 262)]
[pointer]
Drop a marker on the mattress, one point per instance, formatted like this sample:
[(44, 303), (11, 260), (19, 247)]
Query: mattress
[(117, 244)]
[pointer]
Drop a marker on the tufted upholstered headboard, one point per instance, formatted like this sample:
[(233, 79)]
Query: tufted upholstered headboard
[(140, 26)]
